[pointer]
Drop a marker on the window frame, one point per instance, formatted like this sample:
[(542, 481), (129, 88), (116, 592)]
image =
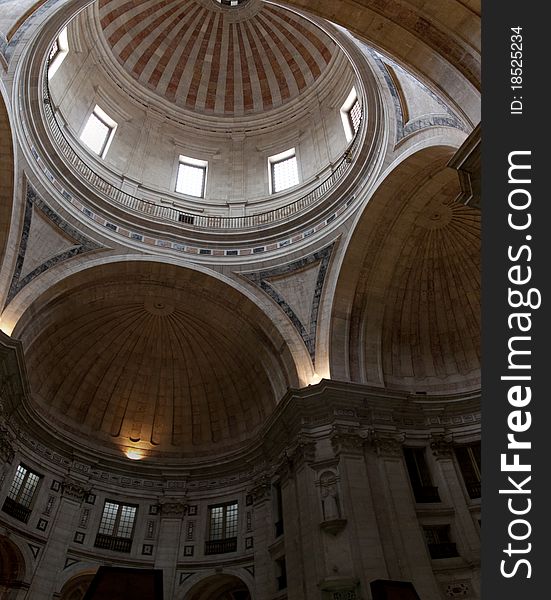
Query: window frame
[(55, 60), (277, 159), (346, 117), (420, 477), (225, 507), (277, 509), (475, 468), (105, 120), (21, 489), (110, 541), (195, 163), (117, 522), (18, 503)]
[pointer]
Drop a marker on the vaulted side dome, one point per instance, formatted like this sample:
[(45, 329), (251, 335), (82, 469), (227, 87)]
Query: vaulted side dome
[(154, 357), (409, 318), (215, 59)]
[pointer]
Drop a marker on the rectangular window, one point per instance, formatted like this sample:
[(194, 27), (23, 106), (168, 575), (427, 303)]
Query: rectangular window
[(116, 527), (22, 491), (355, 115), (222, 529), (351, 115), (98, 131), (439, 541), (469, 461), (58, 52), (281, 573), (283, 171), (419, 475), (192, 177), (278, 509)]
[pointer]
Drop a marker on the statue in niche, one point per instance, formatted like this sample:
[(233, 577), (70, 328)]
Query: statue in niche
[(329, 496)]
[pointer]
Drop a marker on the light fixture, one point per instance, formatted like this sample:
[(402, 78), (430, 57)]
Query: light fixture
[(134, 454)]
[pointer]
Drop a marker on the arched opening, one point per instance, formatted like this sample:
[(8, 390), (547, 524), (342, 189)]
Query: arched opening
[(409, 318), (12, 569), (138, 330), (219, 587), (76, 587)]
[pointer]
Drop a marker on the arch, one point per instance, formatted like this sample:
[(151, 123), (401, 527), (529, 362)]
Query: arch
[(47, 285), (411, 232), (76, 587), (136, 330), (445, 50), (78, 573), (222, 586), (12, 568), (7, 175)]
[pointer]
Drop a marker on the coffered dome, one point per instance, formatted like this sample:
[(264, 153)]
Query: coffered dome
[(214, 59)]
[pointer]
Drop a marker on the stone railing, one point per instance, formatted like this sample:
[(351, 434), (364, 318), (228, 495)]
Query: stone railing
[(157, 211)]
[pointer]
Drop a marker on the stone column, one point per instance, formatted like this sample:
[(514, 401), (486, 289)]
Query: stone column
[(301, 514), (7, 454), (407, 556), (360, 557), (168, 542), (52, 558), (263, 571)]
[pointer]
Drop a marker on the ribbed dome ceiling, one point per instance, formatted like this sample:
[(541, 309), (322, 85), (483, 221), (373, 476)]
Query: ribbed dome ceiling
[(214, 59), (169, 361)]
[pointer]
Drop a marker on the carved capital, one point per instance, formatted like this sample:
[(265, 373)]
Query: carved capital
[(389, 445), (7, 453), (303, 452), (284, 468), (346, 441), (74, 490), (261, 489), (173, 508), (441, 446)]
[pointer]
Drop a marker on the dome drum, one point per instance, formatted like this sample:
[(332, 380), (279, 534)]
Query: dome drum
[(245, 164)]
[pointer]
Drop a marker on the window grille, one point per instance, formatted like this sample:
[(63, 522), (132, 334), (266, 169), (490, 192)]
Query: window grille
[(58, 52), (355, 115), (222, 529), (116, 526), (284, 171), (22, 491)]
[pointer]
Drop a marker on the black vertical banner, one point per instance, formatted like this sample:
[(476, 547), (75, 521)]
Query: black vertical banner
[(516, 169)]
